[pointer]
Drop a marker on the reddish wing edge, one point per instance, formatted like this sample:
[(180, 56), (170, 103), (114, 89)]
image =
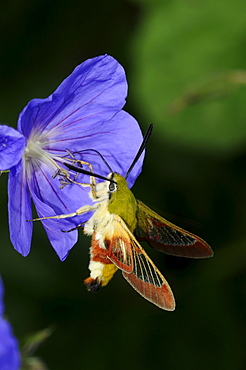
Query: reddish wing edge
[(168, 238), (144, 277), (147, 280)]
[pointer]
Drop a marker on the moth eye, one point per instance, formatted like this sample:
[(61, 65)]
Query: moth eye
[(112, 187)]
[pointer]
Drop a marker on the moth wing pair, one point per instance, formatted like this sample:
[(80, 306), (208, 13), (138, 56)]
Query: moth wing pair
[(137, 268)]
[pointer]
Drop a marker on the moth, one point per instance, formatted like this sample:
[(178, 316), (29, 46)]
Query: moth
[(117, 225)]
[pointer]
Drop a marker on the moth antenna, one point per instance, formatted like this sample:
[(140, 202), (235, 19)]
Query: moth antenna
[(101, 156), (140, 150), (85, 172)]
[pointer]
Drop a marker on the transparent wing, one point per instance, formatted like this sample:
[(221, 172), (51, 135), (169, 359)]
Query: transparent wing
[(166, 237), (147, 280)]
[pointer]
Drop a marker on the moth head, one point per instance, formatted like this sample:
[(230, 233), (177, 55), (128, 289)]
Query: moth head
[(117, 186)]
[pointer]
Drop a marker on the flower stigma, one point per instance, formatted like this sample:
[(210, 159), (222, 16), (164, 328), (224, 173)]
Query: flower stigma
[(35, 156)]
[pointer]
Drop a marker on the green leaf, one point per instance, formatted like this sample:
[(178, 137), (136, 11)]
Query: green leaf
[(188, 60)]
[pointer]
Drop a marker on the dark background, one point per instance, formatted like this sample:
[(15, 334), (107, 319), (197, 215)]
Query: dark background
[(185, 64)]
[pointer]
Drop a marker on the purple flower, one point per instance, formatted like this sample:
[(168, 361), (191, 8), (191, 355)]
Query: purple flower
[(85, 112), (9, 350), (12, 145)]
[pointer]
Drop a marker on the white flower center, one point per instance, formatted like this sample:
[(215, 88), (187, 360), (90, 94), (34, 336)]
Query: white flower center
[(35, 156)]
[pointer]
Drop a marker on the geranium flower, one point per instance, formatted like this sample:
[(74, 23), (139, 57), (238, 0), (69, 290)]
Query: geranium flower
[(85, 112), (9, 349)]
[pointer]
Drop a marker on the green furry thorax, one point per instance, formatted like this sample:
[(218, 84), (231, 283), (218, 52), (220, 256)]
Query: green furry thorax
[(123, 203)]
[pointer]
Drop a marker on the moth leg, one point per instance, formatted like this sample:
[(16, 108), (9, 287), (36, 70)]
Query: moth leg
[(79, 211), (80, 226)]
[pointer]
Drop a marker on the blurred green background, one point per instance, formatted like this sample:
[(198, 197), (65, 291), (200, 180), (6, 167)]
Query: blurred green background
[(185, 64)]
